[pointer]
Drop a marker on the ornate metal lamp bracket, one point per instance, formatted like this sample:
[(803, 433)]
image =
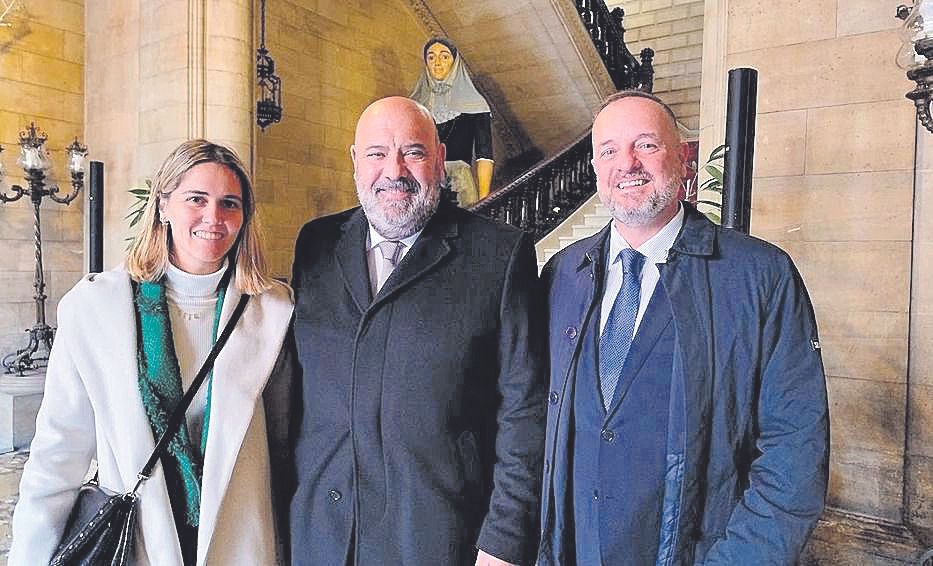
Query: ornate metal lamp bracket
[(35, 164), (921, 74)]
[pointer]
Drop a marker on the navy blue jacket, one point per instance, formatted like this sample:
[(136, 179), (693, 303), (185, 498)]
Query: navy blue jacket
[(423, 408), (748, 428)]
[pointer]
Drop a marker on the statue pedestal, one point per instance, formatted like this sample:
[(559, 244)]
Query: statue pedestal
[(20, 397)]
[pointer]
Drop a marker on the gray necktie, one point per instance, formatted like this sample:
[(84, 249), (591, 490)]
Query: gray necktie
[(617, 335), (391, 251)]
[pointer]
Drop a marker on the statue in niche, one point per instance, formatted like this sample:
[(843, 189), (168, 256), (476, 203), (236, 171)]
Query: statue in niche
[(462, 117)]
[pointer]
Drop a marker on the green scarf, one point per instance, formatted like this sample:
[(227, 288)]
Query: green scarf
[(161, 391)]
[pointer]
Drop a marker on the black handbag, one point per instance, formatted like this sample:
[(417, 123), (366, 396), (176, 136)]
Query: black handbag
[(101, 529)]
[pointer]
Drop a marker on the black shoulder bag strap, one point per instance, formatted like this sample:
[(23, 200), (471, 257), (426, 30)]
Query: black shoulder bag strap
[(175, 420)]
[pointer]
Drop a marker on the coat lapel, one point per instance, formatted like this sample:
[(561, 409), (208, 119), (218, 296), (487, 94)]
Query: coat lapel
[(129, 433), (571, 303), (240, 374), (429, 249), (691, 390), (656, 318), (119, 333), (580, 302), (351, 257)]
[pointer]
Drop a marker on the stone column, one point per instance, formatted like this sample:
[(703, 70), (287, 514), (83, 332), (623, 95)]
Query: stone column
[(714, 77), (160, 73), (230, 75), (919, 469)]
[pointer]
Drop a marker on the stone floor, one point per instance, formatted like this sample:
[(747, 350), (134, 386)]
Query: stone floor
[(11, 468), (834, 543)]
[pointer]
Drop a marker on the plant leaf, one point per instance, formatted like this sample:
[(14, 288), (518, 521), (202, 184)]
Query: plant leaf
[(715, 173)]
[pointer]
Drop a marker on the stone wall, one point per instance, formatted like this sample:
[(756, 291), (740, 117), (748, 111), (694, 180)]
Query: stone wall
[(42, 81), (674, 30), (834, 186), (334, 59)]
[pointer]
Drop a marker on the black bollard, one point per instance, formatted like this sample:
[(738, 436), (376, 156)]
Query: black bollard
[(95, 214), (740, 149)]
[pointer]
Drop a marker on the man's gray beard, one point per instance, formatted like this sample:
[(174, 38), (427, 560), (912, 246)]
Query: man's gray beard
[(405, 217), (645, 213)]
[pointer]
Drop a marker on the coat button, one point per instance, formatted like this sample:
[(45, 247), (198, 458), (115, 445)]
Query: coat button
[(334, 495), (607, 435), (553, 397), (571, 332)]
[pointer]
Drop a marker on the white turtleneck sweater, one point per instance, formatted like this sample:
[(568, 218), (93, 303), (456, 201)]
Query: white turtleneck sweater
[(192, 304)]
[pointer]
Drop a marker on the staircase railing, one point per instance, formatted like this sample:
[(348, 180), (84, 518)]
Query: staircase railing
[(608, 35), (547, 194), (539, 200)]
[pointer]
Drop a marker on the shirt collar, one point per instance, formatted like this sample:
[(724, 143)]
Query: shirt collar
[(656, 247), (375, 238)]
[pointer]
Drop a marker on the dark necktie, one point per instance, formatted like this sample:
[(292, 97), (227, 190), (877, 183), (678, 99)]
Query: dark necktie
[(619, 329)]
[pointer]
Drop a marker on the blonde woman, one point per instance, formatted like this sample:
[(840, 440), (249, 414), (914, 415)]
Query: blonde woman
[(130, 342)]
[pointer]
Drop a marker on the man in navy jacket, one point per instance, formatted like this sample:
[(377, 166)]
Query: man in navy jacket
[(687, 418), (422, 405)]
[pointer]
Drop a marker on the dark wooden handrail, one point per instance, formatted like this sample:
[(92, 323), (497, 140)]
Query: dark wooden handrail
[(548, 193)]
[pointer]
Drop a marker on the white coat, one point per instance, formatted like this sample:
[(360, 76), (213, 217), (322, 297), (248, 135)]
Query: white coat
[(92, 408)]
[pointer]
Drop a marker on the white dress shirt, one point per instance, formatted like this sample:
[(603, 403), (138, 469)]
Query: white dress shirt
[(378, 269), (655, 251)]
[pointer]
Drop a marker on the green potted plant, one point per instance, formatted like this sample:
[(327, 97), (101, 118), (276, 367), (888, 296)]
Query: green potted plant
[(708, 194)]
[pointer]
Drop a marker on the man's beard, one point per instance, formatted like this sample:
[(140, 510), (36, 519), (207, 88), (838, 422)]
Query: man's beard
[(395, 220), (645, 212)]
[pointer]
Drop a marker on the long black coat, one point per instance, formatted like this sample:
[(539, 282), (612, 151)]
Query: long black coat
[(421, 434)]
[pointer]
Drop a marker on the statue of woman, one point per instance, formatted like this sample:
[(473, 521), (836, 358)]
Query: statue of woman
[(462, 117)]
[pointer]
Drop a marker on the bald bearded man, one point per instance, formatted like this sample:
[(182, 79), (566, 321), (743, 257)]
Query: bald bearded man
[(420, 434)]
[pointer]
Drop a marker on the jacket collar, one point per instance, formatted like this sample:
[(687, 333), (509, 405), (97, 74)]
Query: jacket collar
[(697, 237), (594, 249)]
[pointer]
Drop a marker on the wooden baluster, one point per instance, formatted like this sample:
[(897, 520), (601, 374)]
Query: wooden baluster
[(526, 223), (537, 213)]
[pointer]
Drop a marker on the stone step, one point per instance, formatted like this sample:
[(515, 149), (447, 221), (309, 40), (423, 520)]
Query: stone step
[(585, 230), (587, 220), (567, 240), (599, 220)]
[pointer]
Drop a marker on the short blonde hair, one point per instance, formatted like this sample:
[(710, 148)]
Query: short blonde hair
[(148, 257)]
